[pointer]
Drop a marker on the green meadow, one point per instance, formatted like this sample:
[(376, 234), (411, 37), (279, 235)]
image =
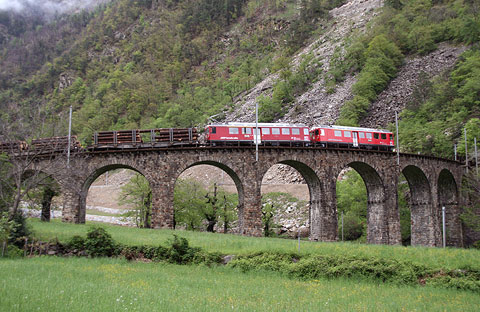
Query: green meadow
[(104, 284), (49, 283), (449, 258)]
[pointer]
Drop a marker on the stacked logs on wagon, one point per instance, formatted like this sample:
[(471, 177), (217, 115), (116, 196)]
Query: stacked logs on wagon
[(145, 136), (54, 144), (117, 137), (173, 134), (16, 146)]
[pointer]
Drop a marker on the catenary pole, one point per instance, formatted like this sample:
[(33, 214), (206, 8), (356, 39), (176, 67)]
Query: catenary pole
[(443, 228), (342, 225), (69, 136), (398, 146), (466, 152), (476, 155), (455, 151), (256, 131)]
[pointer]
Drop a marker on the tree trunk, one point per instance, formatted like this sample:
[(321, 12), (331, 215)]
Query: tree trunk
[(48, 194)]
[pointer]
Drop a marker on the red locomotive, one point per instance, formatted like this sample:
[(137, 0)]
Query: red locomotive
[(237, 133), (338, 136)]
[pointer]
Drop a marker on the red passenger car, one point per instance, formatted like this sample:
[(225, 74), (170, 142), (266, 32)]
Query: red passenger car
[(237, 133), (338, 136)]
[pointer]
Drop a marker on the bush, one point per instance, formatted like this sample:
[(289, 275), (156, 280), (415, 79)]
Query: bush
[(179, 251), (99, 243), (19, 230), (13, 252), (76, 242)]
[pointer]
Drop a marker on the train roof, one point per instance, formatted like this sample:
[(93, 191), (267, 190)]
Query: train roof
[(260, 124), (352, 128)]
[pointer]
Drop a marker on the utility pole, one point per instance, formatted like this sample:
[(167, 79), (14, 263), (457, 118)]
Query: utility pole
[(455, 151), (342, 225), (69, 136), (466, 152), (476, 155), (398, 146), (256, 131), (444, 228)]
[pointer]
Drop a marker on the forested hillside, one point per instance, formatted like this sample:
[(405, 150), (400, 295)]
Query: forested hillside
[(166, 63)]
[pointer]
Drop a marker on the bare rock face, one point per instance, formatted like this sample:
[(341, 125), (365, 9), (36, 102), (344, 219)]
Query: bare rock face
[(316, 106), (65, 80), (400, 90)]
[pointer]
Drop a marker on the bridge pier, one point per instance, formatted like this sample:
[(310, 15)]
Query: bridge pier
[(250, 210), (162, 205), (323, 210), (390, 205), (74, 209)]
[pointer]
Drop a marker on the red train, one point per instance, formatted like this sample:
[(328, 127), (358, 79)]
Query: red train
[(338, 136), (236, 133), (299, 135)]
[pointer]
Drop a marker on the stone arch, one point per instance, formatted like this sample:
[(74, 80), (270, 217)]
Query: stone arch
[(50, 184), (448, 197), (423, 221), (232, 174), (319, 221), (323, 221), (82, 208), (377, 220)]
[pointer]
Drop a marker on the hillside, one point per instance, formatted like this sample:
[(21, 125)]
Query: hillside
[(138, 64)]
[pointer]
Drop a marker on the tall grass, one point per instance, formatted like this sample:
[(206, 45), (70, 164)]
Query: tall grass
[(449, 258), (81, 284)]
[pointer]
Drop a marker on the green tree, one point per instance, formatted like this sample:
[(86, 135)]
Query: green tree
[(194, 206), (352, 201), (471, 211), (138, 194)]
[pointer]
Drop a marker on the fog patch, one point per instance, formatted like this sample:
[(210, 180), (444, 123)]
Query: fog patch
[(48, 8)]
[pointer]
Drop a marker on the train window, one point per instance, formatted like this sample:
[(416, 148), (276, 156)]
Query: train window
[(213, 130), (275, 130), (338, 133), (305, 131), (233, 130), (384, 136), (369, 135), (375, 135), (295, 131), (391, 136), (265, 130), (316, 131), (286, 131), (246, 130), (347, 134), (322, 132), (361, 135)]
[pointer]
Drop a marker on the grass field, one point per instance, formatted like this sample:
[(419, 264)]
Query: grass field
[(81, 284), (449, 258)]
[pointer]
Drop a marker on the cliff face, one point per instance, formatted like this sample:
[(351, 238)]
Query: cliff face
[(320, 106), (316, 106)]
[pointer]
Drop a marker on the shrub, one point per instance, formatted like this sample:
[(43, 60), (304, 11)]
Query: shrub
[(179, 251), (13, 252), (76, 242), (19, 230), (99, 243)]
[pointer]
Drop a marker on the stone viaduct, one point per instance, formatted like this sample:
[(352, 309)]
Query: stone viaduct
[(433, 183)]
